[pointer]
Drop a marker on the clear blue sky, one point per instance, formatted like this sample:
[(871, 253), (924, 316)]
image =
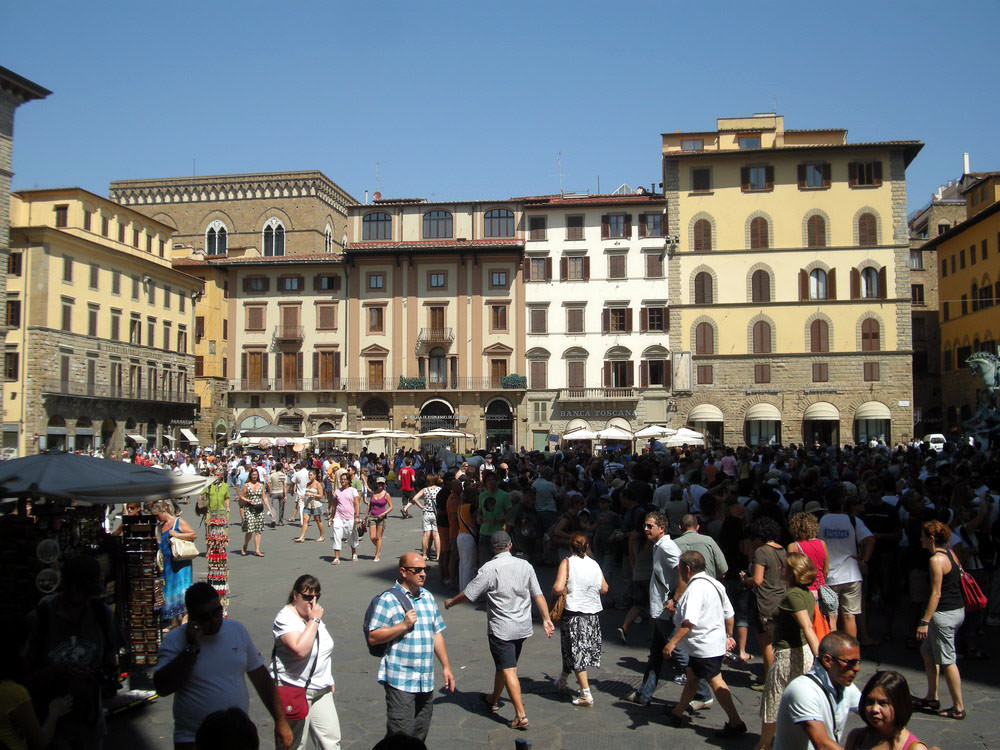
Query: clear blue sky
[(450, 100)]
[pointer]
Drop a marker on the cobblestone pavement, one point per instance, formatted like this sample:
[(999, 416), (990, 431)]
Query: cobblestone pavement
[(260, 587)]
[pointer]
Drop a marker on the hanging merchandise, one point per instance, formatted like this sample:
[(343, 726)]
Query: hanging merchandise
[(217, 555)]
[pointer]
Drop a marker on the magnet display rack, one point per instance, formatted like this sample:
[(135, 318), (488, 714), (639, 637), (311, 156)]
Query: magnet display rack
[(217, 555), (143, 587)]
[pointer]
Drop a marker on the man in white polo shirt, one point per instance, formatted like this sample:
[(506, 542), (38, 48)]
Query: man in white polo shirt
[(850, 545)]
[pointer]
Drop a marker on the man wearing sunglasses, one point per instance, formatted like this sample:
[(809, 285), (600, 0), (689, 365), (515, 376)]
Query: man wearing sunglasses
[(204, 662), (814, 707)]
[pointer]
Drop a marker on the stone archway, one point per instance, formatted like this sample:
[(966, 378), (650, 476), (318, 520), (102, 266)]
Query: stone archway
[(499, 419), (435, 414)]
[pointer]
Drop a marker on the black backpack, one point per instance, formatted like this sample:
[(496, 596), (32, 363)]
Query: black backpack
[(404, 601)]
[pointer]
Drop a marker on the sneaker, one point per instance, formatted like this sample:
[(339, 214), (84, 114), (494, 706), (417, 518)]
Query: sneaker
[(636, 698), (354, 558), (757, 686), (621, 635), (335, 561), (731, 730), (585, 700), (697, 705), (681, 679)]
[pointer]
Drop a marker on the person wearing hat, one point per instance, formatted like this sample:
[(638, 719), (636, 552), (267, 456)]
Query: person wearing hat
[(509, 585), (379, 508)]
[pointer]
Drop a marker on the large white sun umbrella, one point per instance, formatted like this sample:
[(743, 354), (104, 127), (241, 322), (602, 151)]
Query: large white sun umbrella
[(338, 435), (389, 434), (614, 433), (655, 431), (444, 432), (685, 436), (93, 480), (579, 433)]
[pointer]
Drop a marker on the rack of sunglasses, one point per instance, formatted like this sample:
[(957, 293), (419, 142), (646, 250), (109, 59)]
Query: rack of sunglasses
[(143, 586), (217, 554)]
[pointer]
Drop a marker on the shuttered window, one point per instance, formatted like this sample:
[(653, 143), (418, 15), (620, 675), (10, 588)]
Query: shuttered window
[(255, 318), (704, 339), (867, 234), (870, 336), (759, 234), (654, 266), (574, 320), (574, 227), (702, 236), (820, 372), (760, 286), (703, 288), (819, 336), (761, 337), (864, 174), (705, 375), (537, 374), (762, 373), (616, 266), (538, 320), (871, 370), (816, 231), (326, 317)]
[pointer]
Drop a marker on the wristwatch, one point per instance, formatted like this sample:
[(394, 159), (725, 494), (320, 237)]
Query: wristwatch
[(317, 620)]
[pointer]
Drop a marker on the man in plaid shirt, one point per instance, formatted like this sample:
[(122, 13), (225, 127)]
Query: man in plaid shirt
[(413, 639)]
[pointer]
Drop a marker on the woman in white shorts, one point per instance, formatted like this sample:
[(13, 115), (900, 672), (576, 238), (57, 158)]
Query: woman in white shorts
[(426, 500)]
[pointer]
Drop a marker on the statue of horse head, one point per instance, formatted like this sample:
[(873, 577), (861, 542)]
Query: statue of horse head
[(986, 366)]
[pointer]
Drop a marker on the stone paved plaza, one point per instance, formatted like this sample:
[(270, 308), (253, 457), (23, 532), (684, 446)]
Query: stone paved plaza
[(260, 588)]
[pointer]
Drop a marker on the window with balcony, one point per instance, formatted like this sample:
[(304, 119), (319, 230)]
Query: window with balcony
[(437, 368)]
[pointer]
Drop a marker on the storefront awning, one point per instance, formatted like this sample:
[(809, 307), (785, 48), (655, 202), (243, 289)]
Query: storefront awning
[(763, 412), (137, 438), (171, 438), (705, 413), (822, 411), (872, 410), (188, 435)]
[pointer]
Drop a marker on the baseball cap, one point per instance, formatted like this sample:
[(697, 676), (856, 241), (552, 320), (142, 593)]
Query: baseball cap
[(380, 480)]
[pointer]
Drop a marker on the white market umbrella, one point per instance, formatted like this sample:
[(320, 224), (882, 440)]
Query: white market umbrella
[(655, 431), (338, 435), (614, 433), (443, 432), (685, 436), (388, 434), (93, 480), (580, 433)]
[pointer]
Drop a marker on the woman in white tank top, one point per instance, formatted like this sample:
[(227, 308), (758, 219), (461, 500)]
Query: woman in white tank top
[(581, 580)]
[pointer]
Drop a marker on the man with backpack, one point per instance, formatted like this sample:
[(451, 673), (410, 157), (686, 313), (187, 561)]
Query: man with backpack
[(404, 627)]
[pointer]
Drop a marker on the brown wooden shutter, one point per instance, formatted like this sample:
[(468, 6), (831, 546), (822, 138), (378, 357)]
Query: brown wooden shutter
[(548, 269), (336, 283), (644, 319), (246, 284), (802, 175), (586, 268), (606, 375), (666, 318), (605, 320), (769, 176), (527, 269), (299, 369), (628, 320), (667, 373), (642, 225), (745, 178), (826, 175), (336, 364), (263, 363), (317, 282), (803, 285), (877, 172), (605, 230), (643, 374), (243, 366), (199, 326), (628, 226), (852, 174), (630, 374), (562, 268), (855, 283), (315, 371), (883, 289), (831, 284)]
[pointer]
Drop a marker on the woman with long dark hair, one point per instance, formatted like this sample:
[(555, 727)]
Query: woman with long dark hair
[(253, 501)]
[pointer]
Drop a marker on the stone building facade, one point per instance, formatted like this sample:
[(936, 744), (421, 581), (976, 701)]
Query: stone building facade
[(789, 283)]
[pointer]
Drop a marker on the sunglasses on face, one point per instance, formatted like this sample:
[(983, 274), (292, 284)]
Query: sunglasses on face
[(415, 571), (848, 663), (309, 597)]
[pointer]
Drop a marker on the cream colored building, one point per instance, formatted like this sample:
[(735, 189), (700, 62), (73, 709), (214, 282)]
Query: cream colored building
[(100, 348), (789, 283)]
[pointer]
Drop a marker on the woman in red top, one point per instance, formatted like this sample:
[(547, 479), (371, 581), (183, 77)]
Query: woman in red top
[(804, 527)]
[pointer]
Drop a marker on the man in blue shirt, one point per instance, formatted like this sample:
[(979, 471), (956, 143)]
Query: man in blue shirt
[(413, 638)]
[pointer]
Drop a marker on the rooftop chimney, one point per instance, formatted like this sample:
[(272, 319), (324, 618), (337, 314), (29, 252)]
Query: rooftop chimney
[(965, 163)]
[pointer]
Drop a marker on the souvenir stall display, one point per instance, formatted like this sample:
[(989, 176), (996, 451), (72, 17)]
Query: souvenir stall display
[(141, 582), (217, 555)]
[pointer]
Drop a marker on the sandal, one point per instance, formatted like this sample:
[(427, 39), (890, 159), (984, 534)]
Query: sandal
[(926, 704), (258, 554), (952, 713), (520, 723), (298, 541), (487, 701)]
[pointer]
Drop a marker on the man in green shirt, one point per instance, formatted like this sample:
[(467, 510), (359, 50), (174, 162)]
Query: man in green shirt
[(217, 493), (494, 507)]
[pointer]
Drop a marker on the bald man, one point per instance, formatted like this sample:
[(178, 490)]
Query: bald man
[(414, 635)]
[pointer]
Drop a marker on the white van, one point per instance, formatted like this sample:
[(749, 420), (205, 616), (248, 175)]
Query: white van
[(935, 440)]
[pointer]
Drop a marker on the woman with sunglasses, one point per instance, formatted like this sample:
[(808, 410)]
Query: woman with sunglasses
[(303, 657)]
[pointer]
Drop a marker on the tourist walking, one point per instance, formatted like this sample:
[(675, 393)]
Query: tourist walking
[(344, 518), (253, 502), (177, 574), (312, 506), (468, 548), (277, 486), (426, 500), (379, 508)]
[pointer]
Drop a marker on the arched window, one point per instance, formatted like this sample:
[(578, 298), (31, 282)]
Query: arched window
[(761, 337), (274, 238), (704, 339), (870, 337), (703, 288), (499, 223), (817, 284), (437, 225), (816, 231), (760, 286), (867, 234), (702, 236), (328, 239), (376, 226), (819, 336), (759, 234), (216, 239), (869, 284)]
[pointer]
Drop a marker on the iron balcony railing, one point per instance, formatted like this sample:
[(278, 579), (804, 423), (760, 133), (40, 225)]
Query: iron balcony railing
[(370, 384), (435, 336), (288, 333), (59, 387), (581, 394)]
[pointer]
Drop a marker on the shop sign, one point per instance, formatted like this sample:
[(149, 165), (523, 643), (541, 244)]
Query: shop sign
[(574, 413)]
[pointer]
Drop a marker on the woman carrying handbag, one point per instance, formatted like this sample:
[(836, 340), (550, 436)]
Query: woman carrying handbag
[(302, 667)]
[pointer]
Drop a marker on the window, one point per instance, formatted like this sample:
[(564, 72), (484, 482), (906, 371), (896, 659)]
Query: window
[(942, 228), (149, 243), (575, 268), (701, 180), (756, 179), (705, 375), (225, 329), (761, 337), (917, 294), (256, 284), (376, 320), (654, 319), (616, 266), (817, 284), (703, 288), (965, 304), (871, 371), (216, 239), (326, 282), (13, 313), (437, 225), (539, 269), (62, 215), (135, 329), (574, 227), (166, 296), (759, 234), (814, 176), (864, 174), (821, 372), (919, 328), (961, 259), (945, 311), (616, 226), (291, 284), (619, 320), (537, 371), (437, 279), (870, 336), (105, 225), (650, 225), (326, 317), (116, 282), (972, 254), (93, 311), (760, 286), (87, 218), (376, 281), (654, 372), (151, 292), (953, 263), (135, 287), (538, 320), (816, 231), (870, 283), (576, 373), (68, 269), (11, 365), (498, 318), (819, 337), (135, 238), (692, 144), (654, 266), (67, 314), (182, 340), (14, 264), (498, 279), (867, 233), (574, 320), (702, 236), (704, 339), (536, 227), (917, 260), (255, 317), (499, 223), (274, 238), (376, 226), (328, 239), (121, 232), (116, 322), (748, 141), (762, 373)]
